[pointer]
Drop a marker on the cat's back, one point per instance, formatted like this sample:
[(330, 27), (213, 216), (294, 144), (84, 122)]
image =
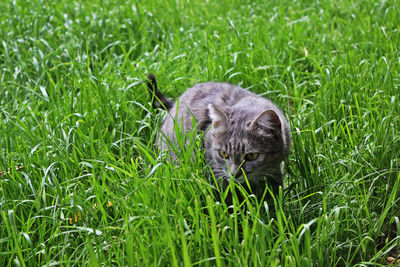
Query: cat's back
[(218, 93)]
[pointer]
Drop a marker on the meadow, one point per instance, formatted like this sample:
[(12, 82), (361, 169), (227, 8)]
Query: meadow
[(82, 183)]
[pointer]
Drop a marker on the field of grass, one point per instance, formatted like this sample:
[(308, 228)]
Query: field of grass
[(75, 114)]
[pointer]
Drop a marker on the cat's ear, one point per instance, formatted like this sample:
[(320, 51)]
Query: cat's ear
[(218, 117), (268, 121)]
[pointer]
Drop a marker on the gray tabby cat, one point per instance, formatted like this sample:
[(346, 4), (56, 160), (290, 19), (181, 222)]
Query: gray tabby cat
[(245, 135)]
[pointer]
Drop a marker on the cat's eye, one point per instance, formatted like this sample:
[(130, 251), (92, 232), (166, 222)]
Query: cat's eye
[(251, 156), (223, 154)]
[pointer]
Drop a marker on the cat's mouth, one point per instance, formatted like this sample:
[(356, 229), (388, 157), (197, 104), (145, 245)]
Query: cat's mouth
[(237, 178), (241, 177)]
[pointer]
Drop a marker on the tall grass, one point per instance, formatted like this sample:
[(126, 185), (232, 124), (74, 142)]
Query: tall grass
[(94, 190)]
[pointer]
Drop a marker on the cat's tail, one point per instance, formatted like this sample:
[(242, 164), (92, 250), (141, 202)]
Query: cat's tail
[(158, 99)]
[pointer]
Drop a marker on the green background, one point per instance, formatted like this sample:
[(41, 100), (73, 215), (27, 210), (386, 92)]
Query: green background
[(75, 114)]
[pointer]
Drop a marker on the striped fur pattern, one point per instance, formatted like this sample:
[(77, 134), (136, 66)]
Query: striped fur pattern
[(247, 136)]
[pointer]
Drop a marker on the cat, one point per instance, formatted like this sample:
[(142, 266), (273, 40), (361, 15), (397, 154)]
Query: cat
[(246, 136)]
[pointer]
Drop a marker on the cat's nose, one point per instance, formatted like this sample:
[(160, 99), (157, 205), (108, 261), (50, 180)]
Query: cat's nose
[(235, 170)]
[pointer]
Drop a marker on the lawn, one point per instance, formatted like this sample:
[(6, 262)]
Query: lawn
[(82, 183)]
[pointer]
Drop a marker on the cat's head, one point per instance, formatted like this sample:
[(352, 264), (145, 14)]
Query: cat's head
[(247, 142)]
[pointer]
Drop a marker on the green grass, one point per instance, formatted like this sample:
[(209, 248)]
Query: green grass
[(94, 190)]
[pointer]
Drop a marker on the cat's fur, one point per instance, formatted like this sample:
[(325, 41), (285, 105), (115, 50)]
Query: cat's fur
[(236, 122)]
